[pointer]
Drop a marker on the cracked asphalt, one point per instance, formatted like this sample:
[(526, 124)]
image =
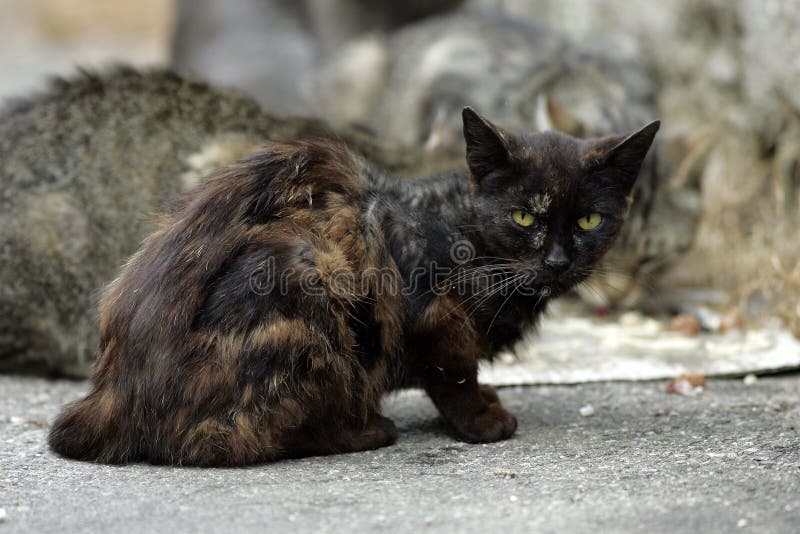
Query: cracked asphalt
[(728, 459)]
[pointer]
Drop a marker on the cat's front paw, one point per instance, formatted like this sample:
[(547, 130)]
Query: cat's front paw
[(495, 423)]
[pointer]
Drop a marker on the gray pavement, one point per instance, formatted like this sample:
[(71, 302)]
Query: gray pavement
[(727, 460)]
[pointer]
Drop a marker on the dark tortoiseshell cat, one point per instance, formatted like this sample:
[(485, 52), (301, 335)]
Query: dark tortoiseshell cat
[(282, 297)]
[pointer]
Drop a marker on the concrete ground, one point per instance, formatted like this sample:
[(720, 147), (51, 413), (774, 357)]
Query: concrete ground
[(645, 461)]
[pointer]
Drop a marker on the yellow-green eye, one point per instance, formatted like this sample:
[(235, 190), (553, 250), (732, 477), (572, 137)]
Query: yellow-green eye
[(522, 218), (590, 222)]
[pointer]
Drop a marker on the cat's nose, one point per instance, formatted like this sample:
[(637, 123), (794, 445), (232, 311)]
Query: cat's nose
[(557, 258)]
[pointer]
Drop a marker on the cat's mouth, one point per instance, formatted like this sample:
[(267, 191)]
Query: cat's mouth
[(526, 281), (541, 285)]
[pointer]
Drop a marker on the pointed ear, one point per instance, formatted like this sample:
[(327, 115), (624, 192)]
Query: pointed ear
[(487, 145), (625, 157)]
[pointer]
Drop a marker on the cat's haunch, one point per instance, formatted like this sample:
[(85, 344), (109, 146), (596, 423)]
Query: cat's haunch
[(285, 295)]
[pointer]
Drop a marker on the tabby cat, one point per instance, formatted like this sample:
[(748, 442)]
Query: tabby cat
[(84, 166), (282, 297)]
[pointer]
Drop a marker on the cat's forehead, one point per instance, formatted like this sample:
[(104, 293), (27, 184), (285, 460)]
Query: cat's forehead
[(551, 164), (551, 151)]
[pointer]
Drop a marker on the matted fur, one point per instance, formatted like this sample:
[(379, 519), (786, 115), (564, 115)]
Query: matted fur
[(195, 366), (280, 299)]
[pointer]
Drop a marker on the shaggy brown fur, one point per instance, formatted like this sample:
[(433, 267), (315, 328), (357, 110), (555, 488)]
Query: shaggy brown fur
[(265, 319), (182, 374)]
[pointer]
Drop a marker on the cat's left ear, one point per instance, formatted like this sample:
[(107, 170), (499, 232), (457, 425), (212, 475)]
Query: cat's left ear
[(625, 157), (487, 145)]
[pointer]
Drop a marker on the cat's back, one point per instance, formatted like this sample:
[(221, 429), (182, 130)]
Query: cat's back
[(83, 167), (79, 130)]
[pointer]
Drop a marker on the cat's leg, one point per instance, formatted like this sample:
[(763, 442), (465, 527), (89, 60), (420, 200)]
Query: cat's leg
[(314, 440), (464, 404), (445, 360), (285, 387), (249, 438)]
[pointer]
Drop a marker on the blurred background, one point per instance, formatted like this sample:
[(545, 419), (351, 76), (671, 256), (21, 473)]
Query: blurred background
[(722, 74), (39, 38)]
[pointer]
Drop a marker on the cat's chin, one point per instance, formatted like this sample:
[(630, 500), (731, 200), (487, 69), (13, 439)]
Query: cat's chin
[(568, 282)]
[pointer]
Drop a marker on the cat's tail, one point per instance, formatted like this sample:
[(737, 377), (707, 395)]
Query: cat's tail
[(91, 430)]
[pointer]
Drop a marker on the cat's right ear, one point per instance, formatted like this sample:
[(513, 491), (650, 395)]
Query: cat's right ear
[(487, 145), (627, 156)]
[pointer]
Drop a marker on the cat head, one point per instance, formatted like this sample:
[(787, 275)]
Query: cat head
[(549, 204)]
